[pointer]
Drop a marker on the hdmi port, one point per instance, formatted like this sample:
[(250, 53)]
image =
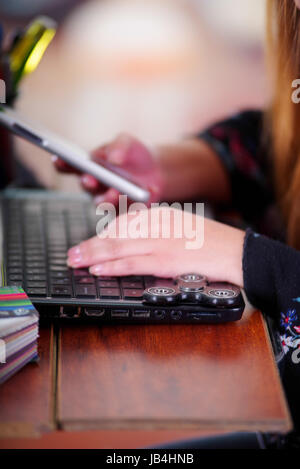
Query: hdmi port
[(120, 313), (142, 313), (94, 312)]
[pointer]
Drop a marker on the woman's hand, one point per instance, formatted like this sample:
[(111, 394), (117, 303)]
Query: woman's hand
[(128, 154), (219, 258)]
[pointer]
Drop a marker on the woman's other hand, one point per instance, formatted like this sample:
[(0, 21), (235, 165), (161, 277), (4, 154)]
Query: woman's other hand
[(127, 154)]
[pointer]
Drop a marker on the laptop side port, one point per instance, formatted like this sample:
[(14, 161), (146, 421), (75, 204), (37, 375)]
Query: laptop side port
[(70, 311), (159, 313), (142, 313), (119, 313), (93, 312), (203, 316), (176, 315)]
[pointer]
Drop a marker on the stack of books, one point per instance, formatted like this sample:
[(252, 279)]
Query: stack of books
[(18, 331)]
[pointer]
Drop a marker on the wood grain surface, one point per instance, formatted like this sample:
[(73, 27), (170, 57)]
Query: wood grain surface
[(208, 377), (26, 399)]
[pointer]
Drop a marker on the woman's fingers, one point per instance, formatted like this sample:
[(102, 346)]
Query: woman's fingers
[(62, 166), (97, 250), (114, 152), (108, 196), (92, 185), (133, 265)]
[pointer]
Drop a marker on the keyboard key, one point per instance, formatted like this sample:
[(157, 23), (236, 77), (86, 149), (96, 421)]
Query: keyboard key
[(61, 281), (61, 274), (57, 250), (40, 271), (36, 291), (35, 284), (85, 280), (35, 257), (17, 283), (85, 291), (15, 277), (135, 284), (15, 270), (14, 258), (33, 241), (35, 264), (57, 255), (14, 239), (36, 277), (131, 294), (58, 268), (110, 293), (34, 254), (105, 277), (58, 245), (14, 262), (58, 262), (35, 245), (149, 281), (59, 290), (74, 240), (107, 283), (80, 273)]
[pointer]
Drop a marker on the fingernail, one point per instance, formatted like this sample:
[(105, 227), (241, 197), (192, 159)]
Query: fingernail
[(96, 270), (116, 156), (74, 251), (74, 261), (88, 181)]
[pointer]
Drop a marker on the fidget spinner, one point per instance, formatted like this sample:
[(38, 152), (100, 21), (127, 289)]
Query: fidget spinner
[(193, 288)]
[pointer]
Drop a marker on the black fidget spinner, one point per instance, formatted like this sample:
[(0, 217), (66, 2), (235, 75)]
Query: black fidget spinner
[(194, 288)]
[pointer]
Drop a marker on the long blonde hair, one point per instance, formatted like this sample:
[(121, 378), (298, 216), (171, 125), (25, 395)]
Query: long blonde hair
[(283, 117)]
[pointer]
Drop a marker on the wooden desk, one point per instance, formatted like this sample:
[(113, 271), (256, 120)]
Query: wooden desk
[(131, 386)]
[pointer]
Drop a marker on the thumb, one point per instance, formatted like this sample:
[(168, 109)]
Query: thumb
[(117, 151), (114, 152)]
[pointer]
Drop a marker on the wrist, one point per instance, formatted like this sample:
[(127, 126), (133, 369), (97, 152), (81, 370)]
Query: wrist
[(234, 263)]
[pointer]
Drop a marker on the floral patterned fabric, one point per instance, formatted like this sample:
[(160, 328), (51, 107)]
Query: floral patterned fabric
[(290, 333)]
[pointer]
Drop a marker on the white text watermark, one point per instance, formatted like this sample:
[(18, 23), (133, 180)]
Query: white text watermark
[(296, 93), (165, 221), (2, 351), (2, 92)]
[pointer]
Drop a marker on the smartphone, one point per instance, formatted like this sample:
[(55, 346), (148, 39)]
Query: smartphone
[(75, 156)]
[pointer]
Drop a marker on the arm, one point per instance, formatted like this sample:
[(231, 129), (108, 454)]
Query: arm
[(271, 280), (191, 169), (271, 275), (184, 170), (215, 166)]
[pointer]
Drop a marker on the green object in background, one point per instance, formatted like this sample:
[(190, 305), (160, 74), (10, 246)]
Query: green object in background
[(28, 48)]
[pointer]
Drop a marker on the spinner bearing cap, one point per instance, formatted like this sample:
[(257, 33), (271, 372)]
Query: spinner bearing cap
[(190, 283), (160, 295)]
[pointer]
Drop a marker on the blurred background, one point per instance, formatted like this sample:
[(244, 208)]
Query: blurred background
[(159, 69)]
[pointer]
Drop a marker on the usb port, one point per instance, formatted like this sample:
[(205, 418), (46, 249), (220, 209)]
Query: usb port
[(202, 316), (142, 313), (120, 313)]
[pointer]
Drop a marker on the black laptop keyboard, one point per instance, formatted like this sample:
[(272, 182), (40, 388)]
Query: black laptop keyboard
[(38, 235)]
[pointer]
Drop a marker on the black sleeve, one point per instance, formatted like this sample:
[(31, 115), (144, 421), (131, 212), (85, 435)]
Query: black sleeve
[(271, 274), (272, 284), (237, 142)]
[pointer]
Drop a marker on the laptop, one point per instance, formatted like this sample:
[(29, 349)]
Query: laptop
[(37, 227)]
